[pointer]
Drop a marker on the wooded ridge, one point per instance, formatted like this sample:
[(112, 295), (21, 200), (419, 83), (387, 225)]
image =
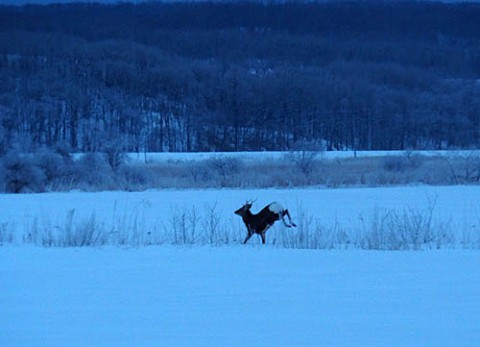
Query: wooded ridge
[(240, 76)]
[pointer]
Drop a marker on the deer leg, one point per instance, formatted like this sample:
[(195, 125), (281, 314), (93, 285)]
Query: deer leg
[(285, 223), (247, 238), (281, 216), (262, 235), (289, 218), (250, 233), (263, 232)]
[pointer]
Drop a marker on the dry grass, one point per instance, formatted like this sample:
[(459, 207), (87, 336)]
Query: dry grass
[(93, 173), (284, 173)]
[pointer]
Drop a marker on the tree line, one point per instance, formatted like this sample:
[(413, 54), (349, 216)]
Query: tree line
[(238, 76)]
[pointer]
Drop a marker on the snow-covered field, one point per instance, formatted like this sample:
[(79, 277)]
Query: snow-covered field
[(156, 211), (237, 296)]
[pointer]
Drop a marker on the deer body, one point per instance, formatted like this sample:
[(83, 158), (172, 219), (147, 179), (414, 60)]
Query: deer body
[(259, 223)]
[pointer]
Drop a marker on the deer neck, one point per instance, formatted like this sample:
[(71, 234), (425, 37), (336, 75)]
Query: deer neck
[(247, 217)]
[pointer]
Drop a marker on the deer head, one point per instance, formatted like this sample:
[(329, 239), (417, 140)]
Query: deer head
[(242, 210)]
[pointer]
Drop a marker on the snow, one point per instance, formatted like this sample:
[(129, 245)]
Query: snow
[(458, 206), (237, 296)]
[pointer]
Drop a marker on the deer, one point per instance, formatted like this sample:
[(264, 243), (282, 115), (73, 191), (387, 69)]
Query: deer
[(259, 223)]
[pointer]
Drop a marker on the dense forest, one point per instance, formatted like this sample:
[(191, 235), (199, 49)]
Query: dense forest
[(240, 76)]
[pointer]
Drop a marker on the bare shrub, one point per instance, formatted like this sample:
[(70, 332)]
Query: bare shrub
[(51, 163), (211, 224), (225, 169), (21, 174), (188, 226), (305, 155), (87, 232), (129, 227), (409, 229), (395, 164), (184, 225), (57, 167), (401, 164), (465, 169), (197, 172), (414, 160), (115, 153), (93, 170), (132, 178), (40, 233)]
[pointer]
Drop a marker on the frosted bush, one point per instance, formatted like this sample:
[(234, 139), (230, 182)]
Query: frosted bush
[(21, 174), (93, 170)]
